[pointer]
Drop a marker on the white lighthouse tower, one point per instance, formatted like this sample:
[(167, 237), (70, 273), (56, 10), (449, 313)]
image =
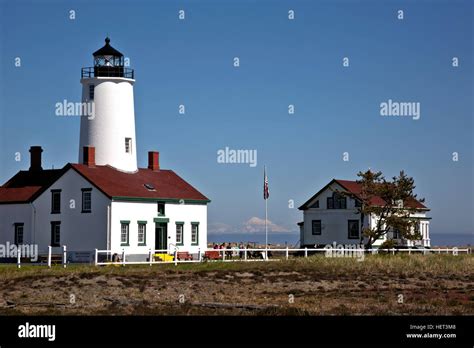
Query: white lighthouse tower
[(111, 128)]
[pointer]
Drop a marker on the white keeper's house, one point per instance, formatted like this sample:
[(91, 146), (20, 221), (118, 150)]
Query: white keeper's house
[(105, 201), (330, 216)]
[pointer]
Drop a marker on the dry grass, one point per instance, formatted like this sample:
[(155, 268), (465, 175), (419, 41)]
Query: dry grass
[(429, 284)]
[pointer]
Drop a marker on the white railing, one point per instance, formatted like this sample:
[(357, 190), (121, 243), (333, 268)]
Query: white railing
[(151, 257), (255, 254), (244, 254)]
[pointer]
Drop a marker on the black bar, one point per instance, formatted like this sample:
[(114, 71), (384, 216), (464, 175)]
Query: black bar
[(222, 331)]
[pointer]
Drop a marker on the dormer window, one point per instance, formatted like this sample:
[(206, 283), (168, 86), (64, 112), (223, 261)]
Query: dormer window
[(128, 145)]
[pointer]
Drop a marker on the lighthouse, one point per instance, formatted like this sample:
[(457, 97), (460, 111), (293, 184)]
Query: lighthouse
[(110, 131)]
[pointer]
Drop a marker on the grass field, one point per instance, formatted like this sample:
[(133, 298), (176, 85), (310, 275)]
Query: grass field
[(379, 285)]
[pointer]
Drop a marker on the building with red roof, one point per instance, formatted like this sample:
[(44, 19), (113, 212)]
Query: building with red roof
[(331, 215), (104, 201)]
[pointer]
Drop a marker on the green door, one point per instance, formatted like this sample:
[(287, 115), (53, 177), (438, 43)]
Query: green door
[(161, 236)]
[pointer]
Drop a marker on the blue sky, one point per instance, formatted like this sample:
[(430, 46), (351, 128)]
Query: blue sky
[(282, 62)]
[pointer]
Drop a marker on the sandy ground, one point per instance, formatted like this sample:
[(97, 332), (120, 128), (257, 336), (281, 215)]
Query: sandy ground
[(249, 289)]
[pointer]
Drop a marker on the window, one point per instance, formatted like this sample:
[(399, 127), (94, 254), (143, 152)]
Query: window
[(194, 233), (358, 203), (316, 227), (330, 203), (91, 92), (161, 208), (396, 234), (86, 200), (128, 145), (55, 201), (149, 187), (337, 201), (19, 233), (141, 233), (417, 227), (340, 201), (353, 229), (55, 233), (179, 233), (124, 233)]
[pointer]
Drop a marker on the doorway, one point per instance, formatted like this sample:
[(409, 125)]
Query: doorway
[(161, 236)]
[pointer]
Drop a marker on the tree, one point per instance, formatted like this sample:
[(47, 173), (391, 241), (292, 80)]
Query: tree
[(392, 202)]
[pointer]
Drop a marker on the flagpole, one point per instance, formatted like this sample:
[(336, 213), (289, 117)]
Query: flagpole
[(266, 216), (266, 230)]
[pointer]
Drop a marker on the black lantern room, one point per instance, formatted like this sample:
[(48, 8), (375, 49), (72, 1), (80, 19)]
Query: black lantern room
[(108, 62)]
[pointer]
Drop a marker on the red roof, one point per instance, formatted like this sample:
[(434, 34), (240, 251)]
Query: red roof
[(115, 183), (355, 188), (25, 186)]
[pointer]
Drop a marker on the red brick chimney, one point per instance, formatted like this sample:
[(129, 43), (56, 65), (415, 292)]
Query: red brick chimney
[(154, 160), (35, 158), (89, 156)]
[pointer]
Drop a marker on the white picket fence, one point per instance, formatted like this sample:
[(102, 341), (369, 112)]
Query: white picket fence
[(248, 254)]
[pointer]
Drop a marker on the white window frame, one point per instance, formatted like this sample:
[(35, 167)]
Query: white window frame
[(141, 233), (180, 233), (124, 232), (194, 233)]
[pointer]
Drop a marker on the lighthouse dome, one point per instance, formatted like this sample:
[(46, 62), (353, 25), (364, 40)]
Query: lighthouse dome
[(107, 51)]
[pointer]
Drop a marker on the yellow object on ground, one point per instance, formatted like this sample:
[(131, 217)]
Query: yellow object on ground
[(164, 257)]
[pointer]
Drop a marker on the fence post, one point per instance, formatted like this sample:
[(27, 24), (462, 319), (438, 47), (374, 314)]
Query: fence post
[(409, 251), (18, 255), (123, 257), (199, 254), (393, 251), (245, 254), (223, 254), (64, 256), (49, 256), (150, 257), (287, 252), (96, 258), (175, 256), (305, 251)]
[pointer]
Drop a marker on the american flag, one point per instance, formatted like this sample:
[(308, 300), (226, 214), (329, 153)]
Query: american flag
[(266, 192)]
